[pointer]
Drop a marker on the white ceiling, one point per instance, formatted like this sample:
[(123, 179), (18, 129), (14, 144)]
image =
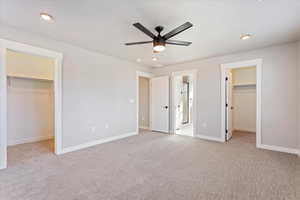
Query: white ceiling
[(105, 25)]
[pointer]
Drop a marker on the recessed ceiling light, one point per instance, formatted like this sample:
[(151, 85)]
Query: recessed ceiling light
[(154, 59), (246, 36), (138, 60), (46, 17)]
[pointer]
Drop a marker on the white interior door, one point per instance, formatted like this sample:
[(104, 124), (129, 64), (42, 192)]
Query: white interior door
[(229, 104), (160, 104)]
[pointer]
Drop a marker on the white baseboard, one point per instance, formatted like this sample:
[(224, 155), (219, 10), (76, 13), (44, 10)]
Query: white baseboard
[(29, 140), (2, 166), (278, 148), (261, 146), (204, 137), (96, 142), (244, 130)]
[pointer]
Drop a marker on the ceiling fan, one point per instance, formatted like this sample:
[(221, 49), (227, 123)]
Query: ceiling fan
[(159, 41)]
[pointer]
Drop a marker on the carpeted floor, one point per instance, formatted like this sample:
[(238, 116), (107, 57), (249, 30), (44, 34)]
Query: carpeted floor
[(151, 166)]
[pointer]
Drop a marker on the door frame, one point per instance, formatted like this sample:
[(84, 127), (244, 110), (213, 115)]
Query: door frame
[(228, 107), (149, 76), (242, 64), (192, 73), (24, 48)]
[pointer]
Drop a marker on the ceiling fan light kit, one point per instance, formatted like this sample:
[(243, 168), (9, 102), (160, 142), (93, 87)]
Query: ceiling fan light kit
[(159, 45), (159, 42)]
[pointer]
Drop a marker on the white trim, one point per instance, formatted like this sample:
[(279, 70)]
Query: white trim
[(204, 137), (244, 130), (241, 64), (96, 142), (29, 140), (3, 108), (146, 75), (182, 134), (278, 148), (184, 72), (194, 74), (16, 46)]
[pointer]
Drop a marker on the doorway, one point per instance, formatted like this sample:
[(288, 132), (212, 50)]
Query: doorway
[(158, 103), (31, 91), (184, 115), (29, 106), (241, 97), (143, 101)]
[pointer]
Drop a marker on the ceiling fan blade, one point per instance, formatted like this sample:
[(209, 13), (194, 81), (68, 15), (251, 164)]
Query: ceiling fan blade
[(144, 30), (135, 43), (178, 42), (178, 30)]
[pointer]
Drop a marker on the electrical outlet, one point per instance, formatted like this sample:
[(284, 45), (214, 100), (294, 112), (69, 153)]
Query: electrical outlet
[(106, 126), (93, 129)]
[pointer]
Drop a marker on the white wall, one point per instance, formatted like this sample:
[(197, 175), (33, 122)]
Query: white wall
[(144, 100), (279, 92), (244, 99), (298, 94), (244, 112), (97, 90), (30, 110), (30, 66)]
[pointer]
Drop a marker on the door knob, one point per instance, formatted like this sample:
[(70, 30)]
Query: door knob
[(166, 107)]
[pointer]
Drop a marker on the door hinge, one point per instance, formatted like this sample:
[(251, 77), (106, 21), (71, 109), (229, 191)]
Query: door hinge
[(226, 134), (226, 104)]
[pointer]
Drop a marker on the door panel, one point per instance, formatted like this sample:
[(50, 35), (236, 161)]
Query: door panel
[(160, 104)]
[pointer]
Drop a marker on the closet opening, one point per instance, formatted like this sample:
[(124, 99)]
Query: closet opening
[(143, 102), (241, 97), (241, 104), (30, 104)]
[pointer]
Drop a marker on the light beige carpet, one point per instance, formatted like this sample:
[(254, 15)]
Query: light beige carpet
[(151, 166)]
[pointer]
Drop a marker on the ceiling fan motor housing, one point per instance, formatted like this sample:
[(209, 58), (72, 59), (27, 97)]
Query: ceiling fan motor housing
[(159, 41), (159, 29)]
